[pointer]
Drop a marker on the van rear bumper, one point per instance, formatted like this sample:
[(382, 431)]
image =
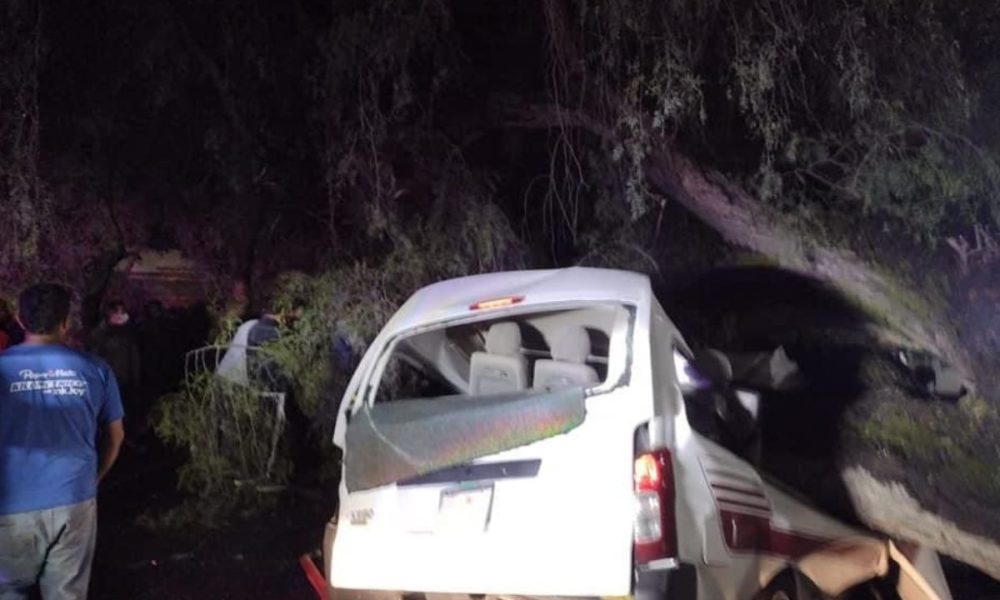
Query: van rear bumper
[(652, 592), (678, 583)]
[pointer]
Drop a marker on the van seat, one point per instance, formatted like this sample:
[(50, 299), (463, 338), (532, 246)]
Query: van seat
[(568, 367), (502, 368)]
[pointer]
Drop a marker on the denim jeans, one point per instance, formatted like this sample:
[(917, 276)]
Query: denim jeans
[(52, 547)]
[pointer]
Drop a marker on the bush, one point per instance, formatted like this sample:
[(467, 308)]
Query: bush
[(228, 431)]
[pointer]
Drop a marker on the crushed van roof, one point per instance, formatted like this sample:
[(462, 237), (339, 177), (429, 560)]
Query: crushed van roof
[(452, 298)]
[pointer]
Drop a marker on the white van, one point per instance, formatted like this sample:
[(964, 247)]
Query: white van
[(549, 433)]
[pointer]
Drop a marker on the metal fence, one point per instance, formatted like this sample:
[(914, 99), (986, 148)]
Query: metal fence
[(222, 394)]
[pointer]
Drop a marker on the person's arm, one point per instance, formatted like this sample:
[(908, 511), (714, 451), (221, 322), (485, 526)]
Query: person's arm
[(114, 435)]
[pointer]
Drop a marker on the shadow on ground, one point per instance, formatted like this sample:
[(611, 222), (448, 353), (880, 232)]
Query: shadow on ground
[(252, 556), (746, 309)]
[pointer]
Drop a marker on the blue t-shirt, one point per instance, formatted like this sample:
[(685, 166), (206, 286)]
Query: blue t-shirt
[(52, 401)]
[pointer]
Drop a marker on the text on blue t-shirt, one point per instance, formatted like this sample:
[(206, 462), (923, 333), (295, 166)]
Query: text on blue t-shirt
[(52, 401)]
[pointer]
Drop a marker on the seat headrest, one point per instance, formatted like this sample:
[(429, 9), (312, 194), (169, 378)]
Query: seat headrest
[(571, 344), (504, 339)]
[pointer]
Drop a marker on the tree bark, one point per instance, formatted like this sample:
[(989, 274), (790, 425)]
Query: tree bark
[(745, 222)]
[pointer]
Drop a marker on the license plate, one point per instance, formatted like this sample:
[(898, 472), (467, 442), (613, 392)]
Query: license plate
[(466, 508)]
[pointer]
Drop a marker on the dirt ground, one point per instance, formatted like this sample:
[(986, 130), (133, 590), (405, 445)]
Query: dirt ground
[(250, 557)]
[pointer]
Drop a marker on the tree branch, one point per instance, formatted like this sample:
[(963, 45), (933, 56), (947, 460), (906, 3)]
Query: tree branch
[(524, 115), (217, 78)]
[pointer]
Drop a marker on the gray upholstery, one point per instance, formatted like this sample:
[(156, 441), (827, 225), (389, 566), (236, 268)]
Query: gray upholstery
[(571, 345), (502, 368), (568, 368), (504, 339)]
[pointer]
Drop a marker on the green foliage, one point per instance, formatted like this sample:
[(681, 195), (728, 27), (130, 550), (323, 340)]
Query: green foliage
[(821, 105), (355, 301), (877, 123), (386, 66), (647, 55), (978, 409), (427, 216), (228, 428)]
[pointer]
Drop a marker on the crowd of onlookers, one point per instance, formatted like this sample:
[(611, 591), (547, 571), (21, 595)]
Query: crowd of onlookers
[(145, 352), (146, 355), (68, 394)]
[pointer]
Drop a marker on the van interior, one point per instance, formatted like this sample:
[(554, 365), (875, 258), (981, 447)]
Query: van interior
[(531, 352)]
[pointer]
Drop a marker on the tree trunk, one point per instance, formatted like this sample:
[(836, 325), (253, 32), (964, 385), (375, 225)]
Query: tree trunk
[(905, 505), (744, 222)]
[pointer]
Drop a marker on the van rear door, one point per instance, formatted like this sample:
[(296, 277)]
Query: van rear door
[(527, 494)]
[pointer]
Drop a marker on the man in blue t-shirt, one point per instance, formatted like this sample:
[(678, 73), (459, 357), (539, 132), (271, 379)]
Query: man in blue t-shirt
[(54, 403)]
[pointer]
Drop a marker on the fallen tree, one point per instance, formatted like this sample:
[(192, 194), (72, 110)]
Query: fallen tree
[(886, 482), (822, 118)]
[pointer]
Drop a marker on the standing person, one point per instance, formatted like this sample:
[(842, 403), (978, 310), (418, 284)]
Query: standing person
[(54, 403), (262, 369), (265, 373), (155, 354), (233, 365), (115, 341)]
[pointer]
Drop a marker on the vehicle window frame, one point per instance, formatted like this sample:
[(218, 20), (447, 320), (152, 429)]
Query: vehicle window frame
[(374, 379)]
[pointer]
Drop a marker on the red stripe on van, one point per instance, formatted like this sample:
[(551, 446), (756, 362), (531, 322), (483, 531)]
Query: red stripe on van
[(751, 533)]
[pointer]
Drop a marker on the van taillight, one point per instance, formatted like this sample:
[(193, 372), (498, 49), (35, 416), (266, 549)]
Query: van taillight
[(654, 532)]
